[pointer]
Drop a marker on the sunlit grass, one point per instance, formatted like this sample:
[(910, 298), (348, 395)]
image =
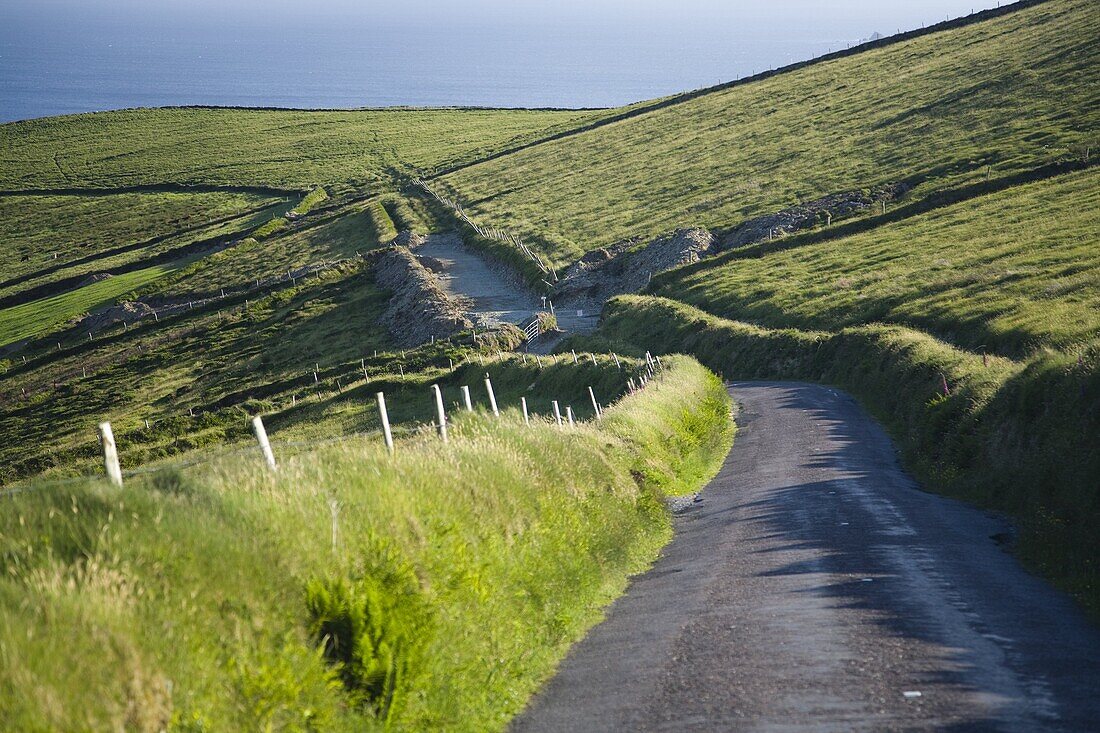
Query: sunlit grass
[(940, 110), (180, 600), (41, 316), (1007, 273)]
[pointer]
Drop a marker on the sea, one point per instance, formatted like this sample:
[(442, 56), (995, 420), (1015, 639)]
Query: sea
[(66, 56)]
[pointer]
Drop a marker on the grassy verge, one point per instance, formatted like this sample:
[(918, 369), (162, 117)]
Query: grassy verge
[(434, 589), (1018, 436)]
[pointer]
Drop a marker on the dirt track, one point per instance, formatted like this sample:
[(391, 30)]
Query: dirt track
[(492, 298), (816, 588)]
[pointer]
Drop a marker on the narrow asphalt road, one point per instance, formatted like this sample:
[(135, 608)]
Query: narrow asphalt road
[(815, 587)]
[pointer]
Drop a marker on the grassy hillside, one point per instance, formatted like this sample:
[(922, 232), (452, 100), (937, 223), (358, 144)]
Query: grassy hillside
[(1006, 273), (201, 596), (989, 99), (284, 149), (203, 600), (43, 234)]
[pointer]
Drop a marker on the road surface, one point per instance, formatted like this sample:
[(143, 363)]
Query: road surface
[(816, 588), (493, 300), (492, 297)]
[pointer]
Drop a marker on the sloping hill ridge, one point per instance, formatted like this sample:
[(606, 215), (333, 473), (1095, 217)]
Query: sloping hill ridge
[(942, 109)]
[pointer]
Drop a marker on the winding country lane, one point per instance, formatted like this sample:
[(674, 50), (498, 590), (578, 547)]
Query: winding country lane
[(816, 588)]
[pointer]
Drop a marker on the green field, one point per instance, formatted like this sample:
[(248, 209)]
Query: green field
[(283, 149), (993, 98), (42, 316), (196, 597), (48, 232), (1006, 273)]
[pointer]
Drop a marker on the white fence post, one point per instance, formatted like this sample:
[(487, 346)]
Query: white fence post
[(466, 398), (265, 445), (385, 421), (110, 454), (569, 412), (492, 397), (557, 412), (595, 405), (526, 417), (574, 356), (593, 358), (440, 414)]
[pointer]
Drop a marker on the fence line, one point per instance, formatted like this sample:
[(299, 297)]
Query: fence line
[(266, 446), (494, 233)]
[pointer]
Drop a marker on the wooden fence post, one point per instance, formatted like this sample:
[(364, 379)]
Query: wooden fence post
[(110, 454), (492, 397), (440, 414), (385, 416), (265, 445), (466, 398), (526, 417), (557, 412), (595, 405)]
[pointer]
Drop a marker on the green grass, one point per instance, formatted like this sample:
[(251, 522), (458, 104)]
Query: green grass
[(1010, 93), (44, 315), (1008, 272), (1017, 436), (334, 237), (232, 147), (222, 355), (181, 600), (36, 228)]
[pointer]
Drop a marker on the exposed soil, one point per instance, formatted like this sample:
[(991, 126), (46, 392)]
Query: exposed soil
[(420, 308), (490, 297), (128, 312), (628, 268), (809, 214)]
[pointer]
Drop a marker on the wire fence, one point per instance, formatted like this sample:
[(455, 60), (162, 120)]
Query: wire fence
[(151, 313), (265, 447), (489, 232)]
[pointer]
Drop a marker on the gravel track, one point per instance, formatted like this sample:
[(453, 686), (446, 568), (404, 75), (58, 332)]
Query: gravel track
[(492, 297)]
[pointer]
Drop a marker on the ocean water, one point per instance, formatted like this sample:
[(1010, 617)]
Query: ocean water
[(65, 56)]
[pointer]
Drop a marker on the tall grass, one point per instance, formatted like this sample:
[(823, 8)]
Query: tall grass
[(211, 601)]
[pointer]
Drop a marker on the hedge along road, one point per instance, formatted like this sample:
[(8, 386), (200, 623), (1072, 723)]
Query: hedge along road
[(815, 587)]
